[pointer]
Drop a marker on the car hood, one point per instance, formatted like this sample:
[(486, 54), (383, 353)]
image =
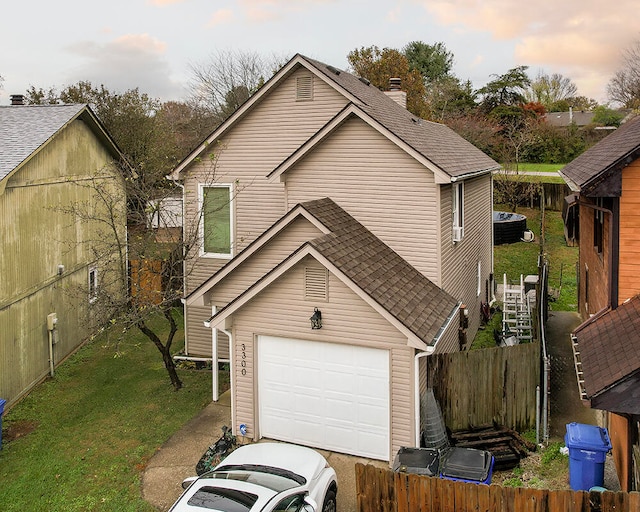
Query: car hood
[(301, 460)]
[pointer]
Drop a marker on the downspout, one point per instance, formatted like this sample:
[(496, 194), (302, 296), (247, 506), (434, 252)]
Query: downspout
[(232, 381), (416, 371), (184, 271)]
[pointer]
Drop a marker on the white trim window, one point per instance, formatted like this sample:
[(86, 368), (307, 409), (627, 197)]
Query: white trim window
[(457, 210), (92, 284), (216, 226), (479, 290)]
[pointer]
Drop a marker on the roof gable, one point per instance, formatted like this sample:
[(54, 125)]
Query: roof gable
[(374, 271), (604, 159), (26, 129), (451, 153)]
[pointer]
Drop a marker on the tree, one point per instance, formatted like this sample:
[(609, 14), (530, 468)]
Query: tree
[(624, 87), (153, 138), (508, 89), (550, 89), (605, 116), (449, 97), (378, 66), (228, 79), (432, 61)]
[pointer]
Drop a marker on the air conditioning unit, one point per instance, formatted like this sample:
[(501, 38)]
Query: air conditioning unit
[(458, 233)]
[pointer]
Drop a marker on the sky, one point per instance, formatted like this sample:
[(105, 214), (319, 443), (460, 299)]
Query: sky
[(154, 44)]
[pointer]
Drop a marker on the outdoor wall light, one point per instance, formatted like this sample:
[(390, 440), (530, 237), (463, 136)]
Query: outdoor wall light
[(316, 319)]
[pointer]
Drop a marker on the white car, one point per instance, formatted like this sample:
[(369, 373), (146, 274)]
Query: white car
[(266, 477)]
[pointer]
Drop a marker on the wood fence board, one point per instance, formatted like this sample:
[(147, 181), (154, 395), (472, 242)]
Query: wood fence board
[(404, 492), (449, 499), (496, 500), (484, 498), (634, 501)]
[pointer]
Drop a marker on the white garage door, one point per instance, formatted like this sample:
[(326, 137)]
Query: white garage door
[(326, 395)]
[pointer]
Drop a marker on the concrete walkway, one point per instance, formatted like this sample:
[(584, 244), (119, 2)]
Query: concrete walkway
[(177, 459)]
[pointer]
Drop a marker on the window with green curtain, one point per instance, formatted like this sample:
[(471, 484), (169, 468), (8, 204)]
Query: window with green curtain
[(216, 204)]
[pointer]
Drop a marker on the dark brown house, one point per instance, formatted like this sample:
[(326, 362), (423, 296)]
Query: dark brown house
[(605, 181)]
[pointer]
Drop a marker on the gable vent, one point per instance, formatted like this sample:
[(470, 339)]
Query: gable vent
[(315, 283), (304, 88)]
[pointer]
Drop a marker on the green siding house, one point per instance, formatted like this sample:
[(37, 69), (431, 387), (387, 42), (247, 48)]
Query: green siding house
[(57, 165)]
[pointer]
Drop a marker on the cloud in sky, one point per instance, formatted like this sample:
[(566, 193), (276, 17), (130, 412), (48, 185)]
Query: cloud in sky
[(220, 17), (129, 61), (581, 38)]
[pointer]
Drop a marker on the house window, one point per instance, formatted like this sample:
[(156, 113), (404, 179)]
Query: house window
[(304, 88), (458, 211), (598, 226), (93, 284), (216, 230)]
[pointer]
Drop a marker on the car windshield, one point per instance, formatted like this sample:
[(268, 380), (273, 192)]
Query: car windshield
[(276, 479), (225, 500)]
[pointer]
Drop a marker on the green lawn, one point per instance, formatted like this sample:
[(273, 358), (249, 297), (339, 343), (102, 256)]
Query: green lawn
[(95, 426)]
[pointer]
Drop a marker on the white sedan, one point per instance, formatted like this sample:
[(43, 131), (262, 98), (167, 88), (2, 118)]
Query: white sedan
[(266, 477)]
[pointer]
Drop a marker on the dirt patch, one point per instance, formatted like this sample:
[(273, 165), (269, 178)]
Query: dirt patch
[(18, 429)]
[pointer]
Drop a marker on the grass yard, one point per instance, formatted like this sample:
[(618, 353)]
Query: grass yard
[(522, 257), (87, 434)]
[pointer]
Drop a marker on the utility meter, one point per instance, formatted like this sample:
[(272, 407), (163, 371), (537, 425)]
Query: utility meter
[(52, 320)]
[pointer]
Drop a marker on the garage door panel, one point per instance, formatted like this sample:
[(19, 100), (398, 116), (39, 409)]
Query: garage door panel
[(330, 396)]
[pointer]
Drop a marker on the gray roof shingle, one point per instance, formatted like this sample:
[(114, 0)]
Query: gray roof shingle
[(609, 346), (385, 276), (610, 154), (26, 128), (436, 142)]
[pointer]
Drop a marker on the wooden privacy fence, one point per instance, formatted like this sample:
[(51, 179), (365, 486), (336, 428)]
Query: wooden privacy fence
[(381, 490), (480, 387)]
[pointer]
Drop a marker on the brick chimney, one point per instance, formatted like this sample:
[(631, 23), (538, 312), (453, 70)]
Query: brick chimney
[(17, 99), (396, 93)]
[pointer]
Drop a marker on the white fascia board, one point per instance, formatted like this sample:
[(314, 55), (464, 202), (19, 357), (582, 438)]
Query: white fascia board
[(239, 113), (197, 296), (439, 175), (412, 340)]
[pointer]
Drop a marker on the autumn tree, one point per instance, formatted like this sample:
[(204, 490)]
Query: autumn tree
[(550, 90), (378, 66), (505, 90), (624, 87)]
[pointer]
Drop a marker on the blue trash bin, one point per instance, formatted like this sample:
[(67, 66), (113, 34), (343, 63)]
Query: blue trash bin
[(2, 402), (588, 447)]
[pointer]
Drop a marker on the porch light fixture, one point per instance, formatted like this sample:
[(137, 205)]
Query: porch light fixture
[(316, 319)]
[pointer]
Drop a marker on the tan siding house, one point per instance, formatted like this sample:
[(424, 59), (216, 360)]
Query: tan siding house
[(341, 271), (48, 266)]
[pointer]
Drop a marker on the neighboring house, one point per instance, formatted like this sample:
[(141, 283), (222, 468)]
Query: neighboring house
[(331, 200), (578, 118), (605, 181), (50, 273)]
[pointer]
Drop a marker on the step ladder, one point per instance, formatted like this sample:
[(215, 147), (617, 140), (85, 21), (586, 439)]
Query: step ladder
[(516, 313)]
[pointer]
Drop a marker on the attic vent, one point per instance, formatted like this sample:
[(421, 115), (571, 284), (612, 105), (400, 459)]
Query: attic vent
[(364, 80), (315, 283), (304, 88), (335, 71)]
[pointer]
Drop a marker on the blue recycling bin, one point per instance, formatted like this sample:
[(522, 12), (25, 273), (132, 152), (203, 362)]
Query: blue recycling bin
[(2, 402), (588, 447)]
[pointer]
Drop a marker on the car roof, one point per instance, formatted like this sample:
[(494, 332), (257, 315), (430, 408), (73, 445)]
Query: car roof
[(301, 460)]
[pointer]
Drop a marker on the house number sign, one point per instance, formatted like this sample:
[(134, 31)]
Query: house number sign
[(243, 361)]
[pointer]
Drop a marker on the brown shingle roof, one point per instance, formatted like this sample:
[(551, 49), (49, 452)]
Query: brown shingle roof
[(379, 271), (435, 141), (609, 346), (612, 153)]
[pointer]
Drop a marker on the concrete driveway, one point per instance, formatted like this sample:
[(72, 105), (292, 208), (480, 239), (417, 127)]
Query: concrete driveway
[(178, 457)]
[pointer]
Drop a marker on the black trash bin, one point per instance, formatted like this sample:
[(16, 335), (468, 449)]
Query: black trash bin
[(418, 461)]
